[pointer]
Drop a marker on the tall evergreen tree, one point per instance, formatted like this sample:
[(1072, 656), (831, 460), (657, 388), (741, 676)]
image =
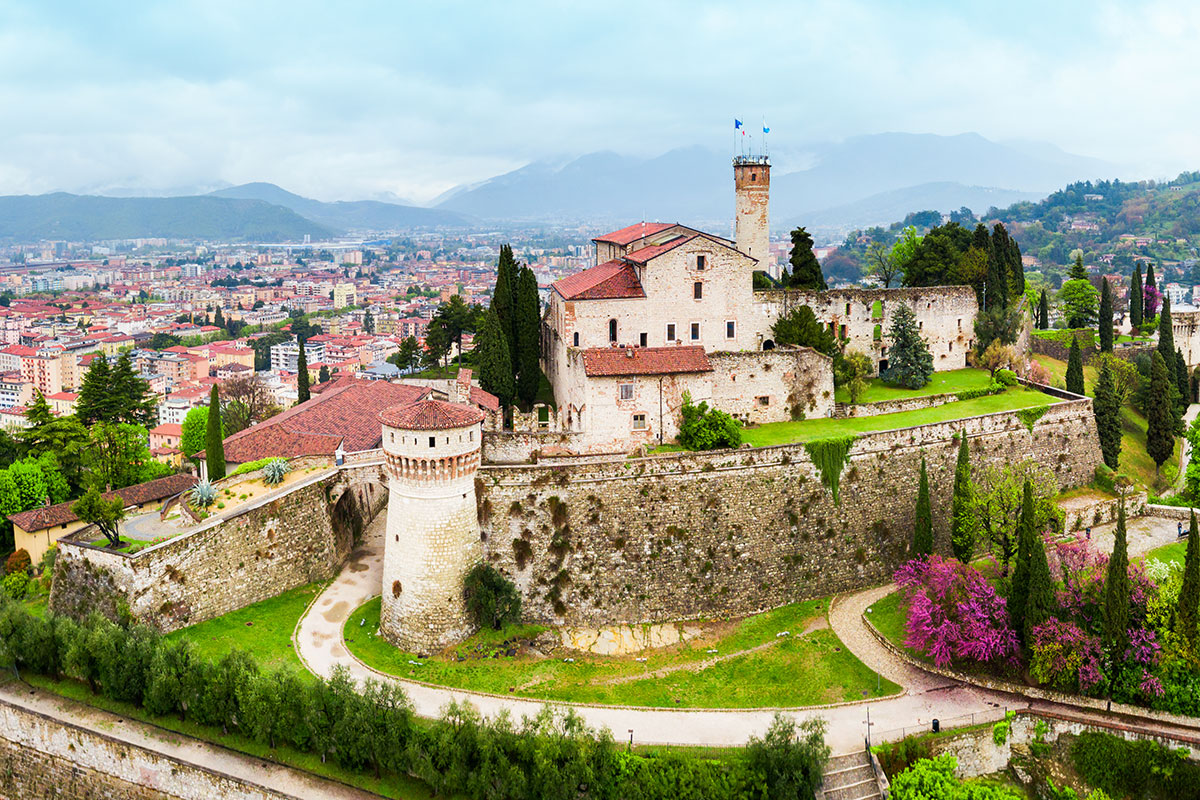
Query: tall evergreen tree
[(95, 402), (1075, 368), (1187, 616), (529, 340), (1078, 271), (1182, 383), (962, 527), (504, 297), (302, 376), (1039, 602), (368, 322), (131, 395), (922, 544), (1104, 323), (805, 272), (1108, 420), (1160, 413), (1043, 312), (214, 446), (910, 364), (999, 271), (1166, 333), (1150, 276), (1116, 593), (323, 375), (1018, 598), (1136, 298), (219, 318), (1016, 270), (495, 366)]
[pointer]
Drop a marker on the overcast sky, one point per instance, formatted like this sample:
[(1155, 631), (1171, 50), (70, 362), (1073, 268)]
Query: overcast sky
[(351, 99)]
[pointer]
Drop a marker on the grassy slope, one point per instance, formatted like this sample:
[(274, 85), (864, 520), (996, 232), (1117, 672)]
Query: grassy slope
[(957, 380), (764, 678), (1172, 553), (805, 430)]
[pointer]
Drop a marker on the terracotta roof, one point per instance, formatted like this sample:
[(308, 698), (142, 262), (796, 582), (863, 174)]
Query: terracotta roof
[(646, 253), (431, 415), (612, 361), (168, 429), (344, 413), (634, 232), (484, 399), (37, 519), (612, 279)]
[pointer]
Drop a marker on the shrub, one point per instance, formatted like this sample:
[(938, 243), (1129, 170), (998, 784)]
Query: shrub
[(1006, 377), (492, 599), (203, 494), (705, 428), (15, 585), (19, 561), (1134, 768), (274, 471), (252, 466)]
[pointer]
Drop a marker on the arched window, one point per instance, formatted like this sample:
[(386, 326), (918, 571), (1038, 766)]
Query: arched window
[(612, 330)]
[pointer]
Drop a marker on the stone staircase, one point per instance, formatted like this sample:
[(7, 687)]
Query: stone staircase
[(850, 777)]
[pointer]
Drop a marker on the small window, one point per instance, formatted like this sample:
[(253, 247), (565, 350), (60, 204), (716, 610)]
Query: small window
[(952, 347), (643, 339), (842, 332), (695, 331), (392, 438), (700, 263), (763, 401), (575, 339), (612, 330), (698, 290), (626, 391), (960, 324), (920, 325), (639, 422), (847, 309), (730, 329), (471, 436), (670, 332), (432, 441)]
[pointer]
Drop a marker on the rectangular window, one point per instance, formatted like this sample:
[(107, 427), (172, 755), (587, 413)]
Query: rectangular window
[(643, 338), (700, 263), (764, 400), (626, 391), (432, 441), (695, 331), (842, 332), (730, 329), (639, 422), (670, 332), (698, 290)]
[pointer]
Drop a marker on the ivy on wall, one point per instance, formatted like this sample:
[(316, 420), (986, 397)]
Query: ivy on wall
[(829, 456), (1030, 416)]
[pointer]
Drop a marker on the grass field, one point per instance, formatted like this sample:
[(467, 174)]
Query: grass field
[(806, 430), (887, 615), (952, 381), (794, 670), (1172, 553)]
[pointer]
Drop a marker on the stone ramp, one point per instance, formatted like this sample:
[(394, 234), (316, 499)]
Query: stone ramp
[(850, 777)]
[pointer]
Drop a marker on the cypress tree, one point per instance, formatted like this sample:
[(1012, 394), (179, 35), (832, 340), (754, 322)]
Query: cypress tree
[(1187, 616), (1116, 592), (962, 529), (922, 544), (1039, 604), (1150, 276), (995, 292), (805, 270), (1182, 383), (1044, 312), (504, 296), (219, 318), (1108, 421), (323, 375), (1018, 598), (529, 340), (1160, 413), (1136, 298), (214, 446), (1166, 333), (302, 378), (1016, 270), (1105, 323), (1075, 368), (495, 366)]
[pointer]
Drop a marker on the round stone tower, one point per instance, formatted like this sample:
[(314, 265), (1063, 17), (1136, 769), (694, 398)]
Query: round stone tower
[(432, 452)]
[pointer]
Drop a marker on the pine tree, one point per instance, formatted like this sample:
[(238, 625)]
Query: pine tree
[(1016, 270), (529, 340), (1044, 312), (1136, 298), (1150, 276), (1078, 271), (910, 364), (95, 402), (805, 270), (323, 375), (1105, 322), (1182, 383), (1116, 592), (922, 543), (302, 377), (38, 413), (495, 367), (505, 294), (1108, 420), (962, 528), (1018, 598), (1075, 368), (1187, 615), (1160, 413), (214, 446), (1039, 604), (368, 322), (1166, 333), (130, 394)]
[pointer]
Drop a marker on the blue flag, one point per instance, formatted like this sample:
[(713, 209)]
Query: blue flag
[(766, 129), (737, 123)]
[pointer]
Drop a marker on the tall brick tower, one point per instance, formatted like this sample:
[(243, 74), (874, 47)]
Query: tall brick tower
[(432, 453), (752, 185)]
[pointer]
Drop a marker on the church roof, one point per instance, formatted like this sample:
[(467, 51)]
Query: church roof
[(431, 415), (616, 361), (646, 253), (612, 279), (632, 233)]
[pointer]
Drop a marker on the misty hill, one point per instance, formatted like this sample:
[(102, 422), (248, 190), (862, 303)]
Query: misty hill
[(356, 215), (882, 208), (89, 218), (694, 184)]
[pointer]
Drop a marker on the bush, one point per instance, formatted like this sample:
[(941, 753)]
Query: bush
[(705, 428), (492, 599), (251, 466), (17, 562), (1006, 377), (15, 585), (1134, 769)]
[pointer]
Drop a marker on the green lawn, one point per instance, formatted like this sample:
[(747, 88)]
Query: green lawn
[(1172, 553), (806, 430), (887, 615), (263, 629), (950, 382), (796, 670)]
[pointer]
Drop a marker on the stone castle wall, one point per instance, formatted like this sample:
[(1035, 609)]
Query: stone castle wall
[(678, 536)]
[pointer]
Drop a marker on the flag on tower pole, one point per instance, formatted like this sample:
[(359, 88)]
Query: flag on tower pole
[(737, 123)]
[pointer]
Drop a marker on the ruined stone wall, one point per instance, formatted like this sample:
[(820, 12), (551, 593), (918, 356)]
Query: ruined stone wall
[(772, 385), (270, 546), (677, 536)]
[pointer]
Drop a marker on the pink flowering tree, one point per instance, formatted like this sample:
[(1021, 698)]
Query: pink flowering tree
[(1151, 301), (954, 614)]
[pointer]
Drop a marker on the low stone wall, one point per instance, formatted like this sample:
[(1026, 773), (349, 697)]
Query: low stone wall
[(844, 410), (521, 447), (1080, 513)]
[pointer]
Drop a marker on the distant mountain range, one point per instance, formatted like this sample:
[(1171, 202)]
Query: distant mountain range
[(348, 216)]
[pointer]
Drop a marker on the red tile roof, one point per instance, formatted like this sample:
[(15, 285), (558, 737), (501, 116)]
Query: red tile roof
[(634, 232), (431, 415), (37, 519), (168, 429), (612, 279), (613, 361), (646, 253), (344, 413)]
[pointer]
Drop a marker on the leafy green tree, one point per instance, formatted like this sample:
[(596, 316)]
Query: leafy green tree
[(910, 364), (118, 456), (1104, 322), (169, 667), (302, 377), (962, 525), (437, 344), (1078, 299), (1116, 593), (1043, 312), (1187, 617), (922, 543), (408, 355), (800, 327), (1160, 413), (1108, 416), (456, 318), (492, 600), (195, 431), (1075, 368), (134, 403), (805, 272), (106, 514), (704, 428), (1135, 297), (214, 443), (855, 368), (528, 336), (789, 759), (161, 341), (495, 365), (997, 497)]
